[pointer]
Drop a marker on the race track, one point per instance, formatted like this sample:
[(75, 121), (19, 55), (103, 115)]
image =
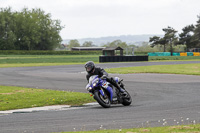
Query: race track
[(174, 98)]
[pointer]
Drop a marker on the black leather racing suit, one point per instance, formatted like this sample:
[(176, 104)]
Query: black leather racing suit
[(100, 72)]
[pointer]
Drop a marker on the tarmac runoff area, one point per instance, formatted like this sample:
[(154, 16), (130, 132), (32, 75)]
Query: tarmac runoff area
[(46, 108)]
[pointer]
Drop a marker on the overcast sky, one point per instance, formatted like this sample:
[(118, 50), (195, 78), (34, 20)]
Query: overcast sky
[(99, 18)]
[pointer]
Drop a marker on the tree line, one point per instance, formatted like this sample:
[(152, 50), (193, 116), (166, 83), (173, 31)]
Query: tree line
[(190, 37), (28, 30), (35, 30), (115, 43)]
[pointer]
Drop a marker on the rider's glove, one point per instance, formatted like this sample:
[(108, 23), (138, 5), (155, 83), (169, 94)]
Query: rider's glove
[(103, 77)]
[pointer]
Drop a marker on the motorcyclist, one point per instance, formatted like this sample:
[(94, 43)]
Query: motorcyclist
[(92, 70)]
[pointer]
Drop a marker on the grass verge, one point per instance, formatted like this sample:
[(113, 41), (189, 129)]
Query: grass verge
[(44, 60), (187, 69), (167, 129), (19, 97), (36, 64)]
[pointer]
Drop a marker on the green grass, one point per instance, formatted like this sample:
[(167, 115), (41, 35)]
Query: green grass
[(36, 64), (187, 69), (166, 129), (18, 97), (16, 59), (44, 60), (53, 60)]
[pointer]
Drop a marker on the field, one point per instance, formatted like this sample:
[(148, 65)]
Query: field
[(51, 60)]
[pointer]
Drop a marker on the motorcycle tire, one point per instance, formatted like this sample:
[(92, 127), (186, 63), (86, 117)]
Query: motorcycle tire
[(127, 100), (104, 102)]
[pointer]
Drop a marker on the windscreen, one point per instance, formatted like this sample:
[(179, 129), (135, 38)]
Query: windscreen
[(92, 78)]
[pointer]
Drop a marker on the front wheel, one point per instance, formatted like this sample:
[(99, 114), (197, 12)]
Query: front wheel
[(126, 98), (104, 101)]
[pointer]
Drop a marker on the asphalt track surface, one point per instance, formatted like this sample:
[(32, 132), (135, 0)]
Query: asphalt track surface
[(157, 99)]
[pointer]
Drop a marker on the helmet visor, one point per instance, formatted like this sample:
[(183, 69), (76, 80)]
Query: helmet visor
[(89, 68)]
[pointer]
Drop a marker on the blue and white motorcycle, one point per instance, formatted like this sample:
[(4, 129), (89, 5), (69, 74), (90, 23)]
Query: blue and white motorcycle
[(106, 94)]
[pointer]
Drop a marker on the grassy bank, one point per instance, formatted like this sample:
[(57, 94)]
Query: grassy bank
[(18, 97), (187, 69), (166, 129)]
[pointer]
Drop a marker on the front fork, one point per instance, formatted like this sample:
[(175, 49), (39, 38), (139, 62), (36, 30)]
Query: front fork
[(109, 89)]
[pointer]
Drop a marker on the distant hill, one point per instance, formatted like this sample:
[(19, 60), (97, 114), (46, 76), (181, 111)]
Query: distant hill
[(129, 39)]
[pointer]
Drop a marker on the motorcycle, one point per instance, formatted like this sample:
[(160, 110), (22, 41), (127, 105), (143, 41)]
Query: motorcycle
[(106, 94)]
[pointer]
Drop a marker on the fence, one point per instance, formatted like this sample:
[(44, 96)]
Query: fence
[(174, 54), (122, 58)]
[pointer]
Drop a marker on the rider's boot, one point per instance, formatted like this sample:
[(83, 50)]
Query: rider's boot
[(115, 84), (118, 87), (121, 90)]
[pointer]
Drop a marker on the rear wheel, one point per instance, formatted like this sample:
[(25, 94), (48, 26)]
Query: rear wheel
[(104, 101), (126, 98)]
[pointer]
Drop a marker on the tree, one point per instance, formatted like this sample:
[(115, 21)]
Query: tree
[(29, 29), (7, 36), (196, 36), (185, 38), (168, 39), (155, 41), (74, 43), (87, 44), (117, 43)]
